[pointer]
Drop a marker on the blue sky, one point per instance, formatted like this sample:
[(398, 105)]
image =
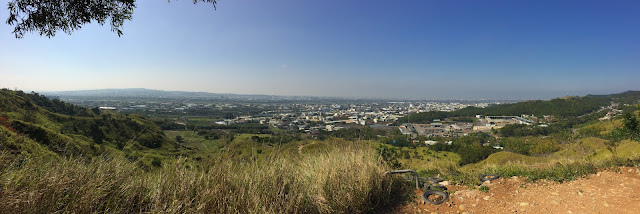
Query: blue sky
[(511, 49)]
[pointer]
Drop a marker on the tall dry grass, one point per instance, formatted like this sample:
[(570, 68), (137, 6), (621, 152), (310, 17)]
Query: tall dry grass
[(348, 179)]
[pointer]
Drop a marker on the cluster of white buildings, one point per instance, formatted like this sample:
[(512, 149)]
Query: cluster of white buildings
[(330, 117)]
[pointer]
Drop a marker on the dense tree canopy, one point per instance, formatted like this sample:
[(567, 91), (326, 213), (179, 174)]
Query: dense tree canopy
[(49, 16), (521, 130), (470, 147)]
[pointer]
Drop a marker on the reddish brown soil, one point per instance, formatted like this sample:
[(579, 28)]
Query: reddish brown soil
[(605, 192)]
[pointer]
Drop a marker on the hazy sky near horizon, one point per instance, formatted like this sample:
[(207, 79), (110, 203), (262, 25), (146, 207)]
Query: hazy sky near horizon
[(405, 49)]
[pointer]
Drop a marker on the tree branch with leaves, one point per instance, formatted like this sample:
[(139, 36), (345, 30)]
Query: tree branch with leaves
[(47, 17)]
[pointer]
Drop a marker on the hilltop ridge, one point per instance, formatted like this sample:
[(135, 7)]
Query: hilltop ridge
[(565, 107)]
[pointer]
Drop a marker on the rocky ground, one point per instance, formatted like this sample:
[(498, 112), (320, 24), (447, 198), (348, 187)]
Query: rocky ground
[(605, 192)]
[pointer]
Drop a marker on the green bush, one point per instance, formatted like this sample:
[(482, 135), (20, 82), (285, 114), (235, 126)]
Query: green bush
[(484, 189)]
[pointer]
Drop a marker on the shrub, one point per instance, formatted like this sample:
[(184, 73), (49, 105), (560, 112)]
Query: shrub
[(484, 189)]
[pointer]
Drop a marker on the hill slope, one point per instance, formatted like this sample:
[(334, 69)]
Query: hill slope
[(559, 107), (69, 130)]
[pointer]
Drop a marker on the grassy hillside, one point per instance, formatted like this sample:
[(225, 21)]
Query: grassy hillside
[(344, 178), (68, 130), (424, 159), (560, 156), (503, 158), (573, 162), (56, 157)]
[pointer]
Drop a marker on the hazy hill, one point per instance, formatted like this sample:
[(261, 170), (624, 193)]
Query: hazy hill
[(152, 93), (132, 92)]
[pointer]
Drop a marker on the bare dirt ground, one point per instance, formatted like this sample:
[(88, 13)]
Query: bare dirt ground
[(605, 192)]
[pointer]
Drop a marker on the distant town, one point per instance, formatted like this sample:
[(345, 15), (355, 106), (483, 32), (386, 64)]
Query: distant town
[(309, 115)]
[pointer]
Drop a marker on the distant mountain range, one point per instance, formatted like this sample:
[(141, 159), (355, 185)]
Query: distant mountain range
[(152, 93), (132, 92)]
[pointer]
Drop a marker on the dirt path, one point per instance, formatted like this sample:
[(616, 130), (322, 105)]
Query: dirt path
[(605, 192), (302, 146)]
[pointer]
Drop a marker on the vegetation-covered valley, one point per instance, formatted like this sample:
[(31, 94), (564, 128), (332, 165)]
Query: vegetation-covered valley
[(58, 157)]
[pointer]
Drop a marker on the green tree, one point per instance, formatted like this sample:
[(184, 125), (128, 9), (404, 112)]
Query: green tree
[(614, 140), (630, 130), (46, 17), (389, 156), (630, 123)]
